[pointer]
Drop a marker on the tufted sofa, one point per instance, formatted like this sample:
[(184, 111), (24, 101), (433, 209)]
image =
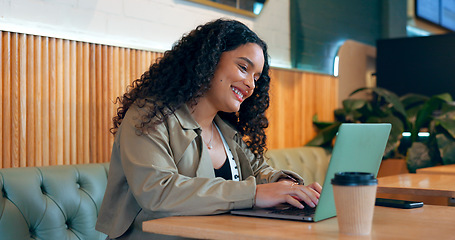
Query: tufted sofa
[(309, 162), (62, 202), (54, 202)]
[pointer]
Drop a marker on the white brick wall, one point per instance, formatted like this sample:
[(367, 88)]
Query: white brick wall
[(145, 24), (273, 26)]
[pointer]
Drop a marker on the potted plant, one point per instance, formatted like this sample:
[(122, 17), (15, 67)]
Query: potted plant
[(412, 114)]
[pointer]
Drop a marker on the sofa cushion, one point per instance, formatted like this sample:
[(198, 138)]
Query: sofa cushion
[(309, 162), (54, 202)]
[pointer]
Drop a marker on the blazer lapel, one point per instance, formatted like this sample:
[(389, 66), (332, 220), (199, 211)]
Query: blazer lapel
[(205, 168), (192, 132)]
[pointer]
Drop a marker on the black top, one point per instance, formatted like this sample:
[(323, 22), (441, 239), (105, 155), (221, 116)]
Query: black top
[(224, 171)]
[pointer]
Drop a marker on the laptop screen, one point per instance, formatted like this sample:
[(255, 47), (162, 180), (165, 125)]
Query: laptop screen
[(359, 147)]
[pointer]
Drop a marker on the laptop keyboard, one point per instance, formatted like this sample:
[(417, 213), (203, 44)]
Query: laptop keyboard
[(294, 211)]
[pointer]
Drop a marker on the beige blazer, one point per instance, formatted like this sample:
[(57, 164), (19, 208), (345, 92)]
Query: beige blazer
[(168, 172)]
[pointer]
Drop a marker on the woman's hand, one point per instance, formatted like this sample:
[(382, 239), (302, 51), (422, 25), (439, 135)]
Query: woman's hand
[(271, 194)]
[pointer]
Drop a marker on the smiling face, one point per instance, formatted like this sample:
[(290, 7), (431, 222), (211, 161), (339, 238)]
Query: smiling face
[(235, 76)]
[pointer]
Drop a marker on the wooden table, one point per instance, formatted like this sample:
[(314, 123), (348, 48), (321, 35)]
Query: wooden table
[(428, 222), (443, 169), (437, 185)]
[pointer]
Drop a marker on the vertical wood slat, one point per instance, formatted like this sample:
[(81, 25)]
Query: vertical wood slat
[(85, 104), (37, 100), (7, 113), (79, 100), (99, 123), (22, 121), (59, 103), (114, 90), (52, 99), (92, 103), (59, 106), (7, 116), (15, 100), (30, 84), (46, 101), (66, 111), (57, 100), (109, 93), (73, 102), (104, 108)]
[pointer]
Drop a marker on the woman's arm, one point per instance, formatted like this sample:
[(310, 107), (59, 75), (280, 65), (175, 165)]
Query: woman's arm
[(275, 187), (154, 180)]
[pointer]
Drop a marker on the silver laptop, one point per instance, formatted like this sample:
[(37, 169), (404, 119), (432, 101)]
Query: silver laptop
[(359, 147)]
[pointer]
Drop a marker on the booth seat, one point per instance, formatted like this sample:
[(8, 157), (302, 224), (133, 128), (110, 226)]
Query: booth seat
[(52, 203), (309, 162), (62, 202)]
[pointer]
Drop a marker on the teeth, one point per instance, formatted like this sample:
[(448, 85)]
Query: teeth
[(237, 92)]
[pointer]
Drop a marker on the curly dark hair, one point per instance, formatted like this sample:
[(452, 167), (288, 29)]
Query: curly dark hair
[(184, 74)]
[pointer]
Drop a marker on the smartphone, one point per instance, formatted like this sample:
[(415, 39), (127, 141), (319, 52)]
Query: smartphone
[(397, 203)]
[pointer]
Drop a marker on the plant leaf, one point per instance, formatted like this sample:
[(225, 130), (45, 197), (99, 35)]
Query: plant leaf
[(359, 90), (319, 124), (391, 98), (418, 156), (410, 100), (446, 148), (325, 136), (353, 104), (425, 114), (444, 96), (448, 124), (353, 109)]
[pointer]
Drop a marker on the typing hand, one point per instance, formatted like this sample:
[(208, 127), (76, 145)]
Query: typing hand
[(271, 194)]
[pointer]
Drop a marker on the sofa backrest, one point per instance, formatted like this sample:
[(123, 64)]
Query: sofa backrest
[(54, 202), (309, 162)]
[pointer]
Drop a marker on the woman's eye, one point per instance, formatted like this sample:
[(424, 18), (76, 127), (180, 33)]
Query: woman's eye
[(243, 68)]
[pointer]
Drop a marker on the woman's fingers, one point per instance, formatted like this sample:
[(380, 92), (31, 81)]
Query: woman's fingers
[(293, 201), (305, 195), (308, 194), (271, 194), (316, 187)]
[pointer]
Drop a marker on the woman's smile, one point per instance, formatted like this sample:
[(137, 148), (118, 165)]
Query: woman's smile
[(238, 93)]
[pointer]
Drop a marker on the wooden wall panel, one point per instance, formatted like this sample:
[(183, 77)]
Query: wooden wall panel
[(295, 97), (58, 99)]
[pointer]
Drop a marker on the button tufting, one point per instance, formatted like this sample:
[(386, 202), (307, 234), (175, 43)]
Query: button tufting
[(42, 189), (32, 233), (78, 185)]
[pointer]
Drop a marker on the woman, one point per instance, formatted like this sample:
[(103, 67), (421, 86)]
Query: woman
[(189, 135)]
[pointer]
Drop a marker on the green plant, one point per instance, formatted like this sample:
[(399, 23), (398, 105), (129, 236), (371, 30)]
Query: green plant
[(410, 113)]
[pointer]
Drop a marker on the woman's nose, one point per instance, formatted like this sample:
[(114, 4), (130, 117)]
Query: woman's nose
[(250, 82)]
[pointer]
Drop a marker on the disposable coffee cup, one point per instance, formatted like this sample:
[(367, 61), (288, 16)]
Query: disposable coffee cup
[(355, 195)]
